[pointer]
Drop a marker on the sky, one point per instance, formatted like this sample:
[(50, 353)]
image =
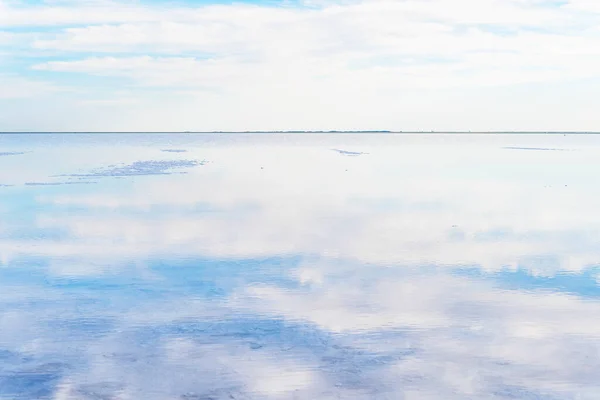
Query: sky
[(203, 65)]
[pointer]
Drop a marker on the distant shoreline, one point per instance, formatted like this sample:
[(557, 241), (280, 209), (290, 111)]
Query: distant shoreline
[(317, 132)]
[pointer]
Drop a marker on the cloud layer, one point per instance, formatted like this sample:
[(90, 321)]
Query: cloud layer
[(400, 65)]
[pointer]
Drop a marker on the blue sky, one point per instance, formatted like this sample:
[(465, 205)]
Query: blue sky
[(315, 64)]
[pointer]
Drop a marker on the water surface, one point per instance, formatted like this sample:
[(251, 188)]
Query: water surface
[(290, 266)]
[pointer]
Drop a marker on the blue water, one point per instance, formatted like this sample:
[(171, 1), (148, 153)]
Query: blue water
[(290, 266)]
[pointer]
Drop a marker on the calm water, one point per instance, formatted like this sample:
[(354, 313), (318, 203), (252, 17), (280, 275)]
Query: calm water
[(197, 267)]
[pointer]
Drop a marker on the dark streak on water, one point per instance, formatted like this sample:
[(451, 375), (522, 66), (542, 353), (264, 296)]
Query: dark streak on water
[(533, 148), (349, 153), (59, 183), (140, 168)]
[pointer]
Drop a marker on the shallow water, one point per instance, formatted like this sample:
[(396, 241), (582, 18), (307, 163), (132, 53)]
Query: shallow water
[(261, 266)]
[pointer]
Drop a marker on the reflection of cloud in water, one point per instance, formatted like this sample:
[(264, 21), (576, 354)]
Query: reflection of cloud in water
[(467, 337), (249, 215), (433, 272), (367, 334), (11, 153), (36, 381)]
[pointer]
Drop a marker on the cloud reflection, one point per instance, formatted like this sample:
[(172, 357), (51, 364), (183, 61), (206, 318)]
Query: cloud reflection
[(287, 272)]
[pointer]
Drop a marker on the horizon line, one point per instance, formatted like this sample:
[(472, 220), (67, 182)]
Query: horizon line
[(300, 131)]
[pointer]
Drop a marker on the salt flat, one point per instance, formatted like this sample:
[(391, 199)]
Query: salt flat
[(299, 266)]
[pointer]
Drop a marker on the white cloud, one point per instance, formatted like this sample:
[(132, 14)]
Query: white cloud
[(6, 37), (13, 14), (381, 45), (15, 87), (345, 64)]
